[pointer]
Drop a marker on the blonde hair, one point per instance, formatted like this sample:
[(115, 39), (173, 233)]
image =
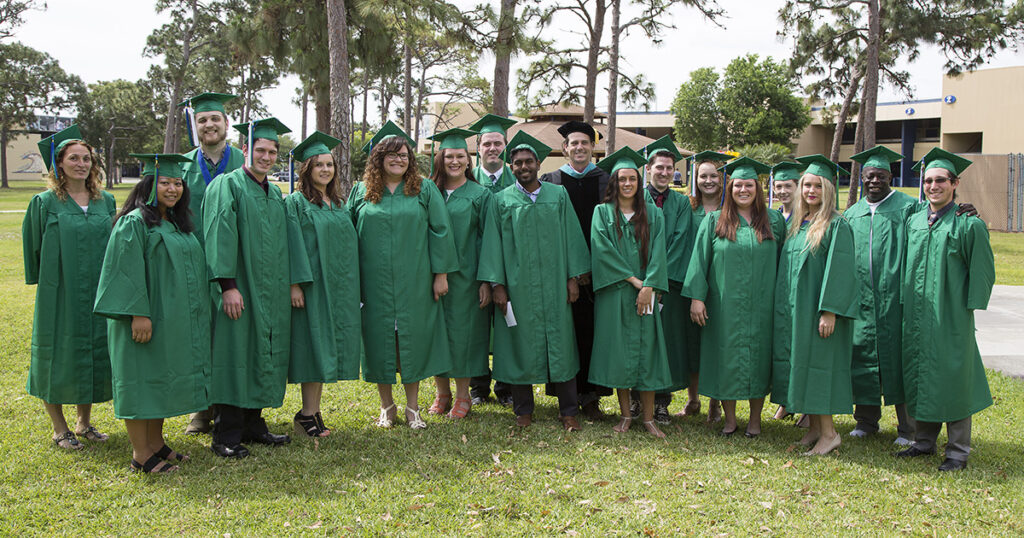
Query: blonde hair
[(820, 220), (93, 183)]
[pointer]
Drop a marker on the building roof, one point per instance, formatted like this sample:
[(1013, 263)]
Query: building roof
[(561, 113)]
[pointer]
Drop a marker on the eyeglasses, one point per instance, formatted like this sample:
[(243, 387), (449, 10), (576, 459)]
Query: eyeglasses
[(394, 156)]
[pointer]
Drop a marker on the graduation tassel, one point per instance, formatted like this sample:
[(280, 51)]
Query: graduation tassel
[(248, 145), (431, 159), (771, 190), (53, 159), (193, 129), (156, 178), (920, 183), (291, 173)]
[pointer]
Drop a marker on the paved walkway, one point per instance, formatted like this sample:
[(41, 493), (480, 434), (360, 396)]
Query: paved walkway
[(1001, 330)]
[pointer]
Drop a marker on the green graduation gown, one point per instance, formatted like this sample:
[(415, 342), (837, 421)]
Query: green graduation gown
[(504, 180), (469, 327), (533, 248), (63, 248), (629, 350), (680, 233), (736, 281), (692, 331), (403, 242), (158, 273), (949, 274), (326, 340), (814, 372), (246, 240), (193, 176), (881, 239)]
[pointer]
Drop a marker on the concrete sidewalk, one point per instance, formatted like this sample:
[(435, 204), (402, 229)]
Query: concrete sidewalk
[(1001, 330)]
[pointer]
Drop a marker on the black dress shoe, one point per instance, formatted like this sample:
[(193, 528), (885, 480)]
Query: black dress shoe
[(477, 400), (229, 451), (953, 465), (912, 452), (505, 401), (267, 438)]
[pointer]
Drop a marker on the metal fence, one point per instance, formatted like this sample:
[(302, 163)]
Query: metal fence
[(995, 185)]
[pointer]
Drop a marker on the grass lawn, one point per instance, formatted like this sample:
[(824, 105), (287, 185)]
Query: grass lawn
[(483, 476)]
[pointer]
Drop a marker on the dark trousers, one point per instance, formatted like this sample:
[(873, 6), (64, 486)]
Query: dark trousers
[(232, 425), (480, 387), (568, 403), (660, 398), (583, 323), (958, 446), (867, 417)]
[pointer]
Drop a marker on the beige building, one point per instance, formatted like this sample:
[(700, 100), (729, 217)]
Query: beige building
[(23, 159)]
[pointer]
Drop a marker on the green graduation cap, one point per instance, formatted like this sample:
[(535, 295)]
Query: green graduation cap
[(453, 138), (524, 141), (267, 128), (315, 144), (940, 158), (820, 165), (705, 156), (787, 171), (160, 164), (387, 131), (492, 123), (623, 157), (662, 145), (208, 102), (50, 146), (877, 157), (746, 168)]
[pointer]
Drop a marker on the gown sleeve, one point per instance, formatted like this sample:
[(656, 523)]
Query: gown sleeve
[(981, 271), (840, 291), (657, 265), (32, 238), (440, 243), (609, 266), (122, 291), (220, 229), (695, 285), (298, 257)]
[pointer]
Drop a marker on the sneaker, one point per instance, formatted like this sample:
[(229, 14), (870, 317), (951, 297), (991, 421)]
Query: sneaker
[(661, 415), (902, 441), (859, 433), (635, 409)]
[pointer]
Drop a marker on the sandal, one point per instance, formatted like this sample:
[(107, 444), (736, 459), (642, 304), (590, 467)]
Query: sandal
[(623, 425), (416, 422), (167, 454), (309, 425), (442, 404), (691, 409), (714, 411), (385, 421), (68, 441), (151, 466), (461, 408), (94, 435), (653, 429)]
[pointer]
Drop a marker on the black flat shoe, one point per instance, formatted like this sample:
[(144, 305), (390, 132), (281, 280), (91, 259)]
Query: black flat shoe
[(724, 433), (912, 452), (749, 435), (267, 438), (155, 464), (953, 465), (229, 451)]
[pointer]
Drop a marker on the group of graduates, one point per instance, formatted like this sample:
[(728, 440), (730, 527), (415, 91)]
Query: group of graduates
[(210, 291)]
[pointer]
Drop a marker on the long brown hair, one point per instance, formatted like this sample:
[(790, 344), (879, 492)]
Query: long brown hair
[(729, 220), (439, 176), (639, 219), (308, 189), (373, 177), (93, 183), (696, 196)]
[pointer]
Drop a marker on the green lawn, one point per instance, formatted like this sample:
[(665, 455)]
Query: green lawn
[(483, 476)]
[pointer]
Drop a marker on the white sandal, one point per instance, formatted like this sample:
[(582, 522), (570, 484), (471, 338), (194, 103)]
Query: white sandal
[(416, 422), (383, 421)]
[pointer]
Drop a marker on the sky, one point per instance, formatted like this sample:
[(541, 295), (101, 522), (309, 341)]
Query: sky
[(103, 40)]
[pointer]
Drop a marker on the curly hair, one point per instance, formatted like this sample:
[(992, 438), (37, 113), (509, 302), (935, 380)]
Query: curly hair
[(729, 220), (309, 190), (696, 196), (440, 176), (93, 183), (819, 219), (373, 177), (641, 226)]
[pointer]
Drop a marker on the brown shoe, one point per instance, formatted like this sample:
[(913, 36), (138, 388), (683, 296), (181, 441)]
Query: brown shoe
[(592, 411), (199, 423), (570, 424), (524, 420)]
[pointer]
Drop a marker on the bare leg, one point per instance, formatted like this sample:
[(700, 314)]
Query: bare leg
[(780, 413), (813, 432), (627, 417), (387, 400), (412, 394), (729, 406), (462, 388), (443, 387), (829, 439), (754, 424), (56, 413), (692, 407), (647, 401), (155, 436), (138, 436), (84, 417), (714, 411), (311, 395)]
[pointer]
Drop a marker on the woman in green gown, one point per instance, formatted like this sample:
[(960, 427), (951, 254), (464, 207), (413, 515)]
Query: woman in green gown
[(816, 298), (730, 280), (64, 234), (326, 340), (467, 306), (155, 291), (406, 251), (627, 247)]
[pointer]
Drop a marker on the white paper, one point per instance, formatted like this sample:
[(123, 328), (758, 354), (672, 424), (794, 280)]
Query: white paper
[(510, 318)]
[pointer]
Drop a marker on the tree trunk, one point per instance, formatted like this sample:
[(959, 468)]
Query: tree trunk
[(844, 113), (503, 57), (171, 128), (337, 39), (858, 146), (322, 102), (613, 79), (305, 110), (870, 98), (407, 88), (3, 158), (590, 89), (366, 97)]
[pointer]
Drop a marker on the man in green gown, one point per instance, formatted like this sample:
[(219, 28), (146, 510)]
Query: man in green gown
[(533, 244), (213, 156), (948, 274), (247, 252), (493, 173)]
